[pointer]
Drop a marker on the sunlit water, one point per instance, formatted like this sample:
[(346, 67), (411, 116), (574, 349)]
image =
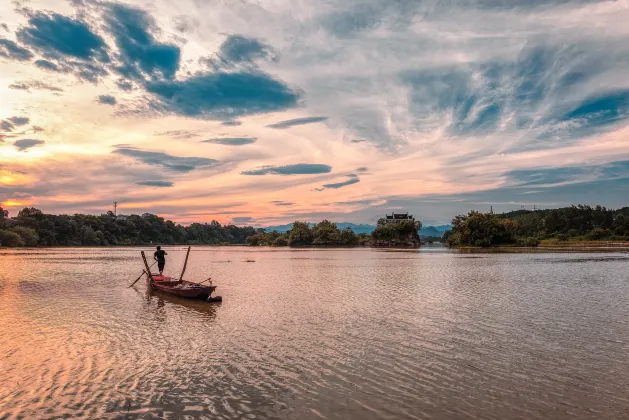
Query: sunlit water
[(337, 334)]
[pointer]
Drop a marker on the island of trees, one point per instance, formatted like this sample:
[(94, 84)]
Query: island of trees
[(532, 227), (326, 233)]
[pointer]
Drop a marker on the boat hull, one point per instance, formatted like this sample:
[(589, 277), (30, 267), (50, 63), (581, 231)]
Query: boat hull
[(182, 288)]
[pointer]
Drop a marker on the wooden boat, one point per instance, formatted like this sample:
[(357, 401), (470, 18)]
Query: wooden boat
[(179, 287)]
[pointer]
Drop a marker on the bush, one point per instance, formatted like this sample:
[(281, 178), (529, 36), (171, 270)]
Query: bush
[(530, 241), (12, 239), (280, 241), (598, 234)]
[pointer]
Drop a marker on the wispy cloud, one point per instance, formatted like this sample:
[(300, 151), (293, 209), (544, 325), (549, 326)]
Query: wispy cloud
[(296, 169), (159, 184), (297, 121), (231, 141), (166, 161), (352, 179), (25, 144), (35, 85)]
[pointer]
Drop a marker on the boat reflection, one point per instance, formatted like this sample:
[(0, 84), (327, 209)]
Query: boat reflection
[(162, 301)]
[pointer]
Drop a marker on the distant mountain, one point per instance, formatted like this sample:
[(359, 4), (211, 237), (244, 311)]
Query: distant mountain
[(425, 231), (434, 230)]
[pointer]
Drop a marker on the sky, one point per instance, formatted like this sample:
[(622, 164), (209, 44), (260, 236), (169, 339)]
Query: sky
[(265, 112)]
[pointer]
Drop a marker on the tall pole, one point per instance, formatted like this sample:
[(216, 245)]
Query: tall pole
[(115, 208), (185, 264)]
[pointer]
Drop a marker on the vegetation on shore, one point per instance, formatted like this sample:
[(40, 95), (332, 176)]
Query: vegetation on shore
[(530, 228), (31, 227), (325, 233)]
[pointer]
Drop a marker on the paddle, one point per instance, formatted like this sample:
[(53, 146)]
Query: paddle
[(141, 275)]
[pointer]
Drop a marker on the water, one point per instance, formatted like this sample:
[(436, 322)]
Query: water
[(336, 334)]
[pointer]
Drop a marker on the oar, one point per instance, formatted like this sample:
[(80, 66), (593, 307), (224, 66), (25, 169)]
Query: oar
[(143, 273), (136, 280)]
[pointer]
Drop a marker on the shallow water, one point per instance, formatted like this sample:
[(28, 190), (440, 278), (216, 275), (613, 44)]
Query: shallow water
[(337, 334)]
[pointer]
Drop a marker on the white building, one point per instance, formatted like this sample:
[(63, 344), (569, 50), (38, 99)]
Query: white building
[(394, 218)]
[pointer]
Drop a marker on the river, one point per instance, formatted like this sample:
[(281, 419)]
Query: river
[(309, 334)]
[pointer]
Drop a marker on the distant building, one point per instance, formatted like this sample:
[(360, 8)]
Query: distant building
[(394, 218)]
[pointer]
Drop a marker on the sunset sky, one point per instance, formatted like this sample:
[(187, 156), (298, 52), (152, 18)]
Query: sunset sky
[(265, 112)]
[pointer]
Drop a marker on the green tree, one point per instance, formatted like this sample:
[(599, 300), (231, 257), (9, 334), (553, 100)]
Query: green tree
[(29, 236), (482, 229), (10, 239), (300, 234), (325, 233)]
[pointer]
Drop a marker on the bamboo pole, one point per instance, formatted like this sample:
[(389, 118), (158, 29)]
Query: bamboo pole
[(185, 264), (148, 269)]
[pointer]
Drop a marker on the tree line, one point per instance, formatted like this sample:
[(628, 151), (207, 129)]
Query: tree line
[(530, 227), (32, 227), (326, 233)]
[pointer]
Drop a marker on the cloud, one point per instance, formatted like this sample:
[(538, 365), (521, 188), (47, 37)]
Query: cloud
[(49, 65), (140, 53), (9, 49), (353, 179), (10, 123), (239, 51), (231, 141), (26, 144), (282, 203), (125, 85), (179, 134), (5, 27), (358, 140), (107, 100), (238, 48), (296, 169), (34, 84), (359, 202), (57, 36), (155, 183), (166, 161), (19, 121), (231, 123), (185, 24), (222, 95), (362, 169), (243, 219), (297, 121), (6, 125)]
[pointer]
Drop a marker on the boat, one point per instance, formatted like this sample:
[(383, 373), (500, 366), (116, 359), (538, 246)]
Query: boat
[(180, 287)]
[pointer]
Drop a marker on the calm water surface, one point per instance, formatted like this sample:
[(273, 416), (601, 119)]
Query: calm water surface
[(308, 334)]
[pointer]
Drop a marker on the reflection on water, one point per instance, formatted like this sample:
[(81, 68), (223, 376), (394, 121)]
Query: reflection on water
[(337, 334)]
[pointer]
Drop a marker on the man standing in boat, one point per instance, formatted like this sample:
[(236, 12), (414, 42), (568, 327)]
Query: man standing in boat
[(160, 257)]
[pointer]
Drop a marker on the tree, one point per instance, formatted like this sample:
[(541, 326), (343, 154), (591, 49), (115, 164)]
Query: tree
[(11, 239), (482, 229), (300, 234), (4, 216), (325, 233), (28, 235)]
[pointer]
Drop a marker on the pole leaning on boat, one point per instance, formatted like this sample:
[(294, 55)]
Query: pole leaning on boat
[(148, 269), (185, 264)]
